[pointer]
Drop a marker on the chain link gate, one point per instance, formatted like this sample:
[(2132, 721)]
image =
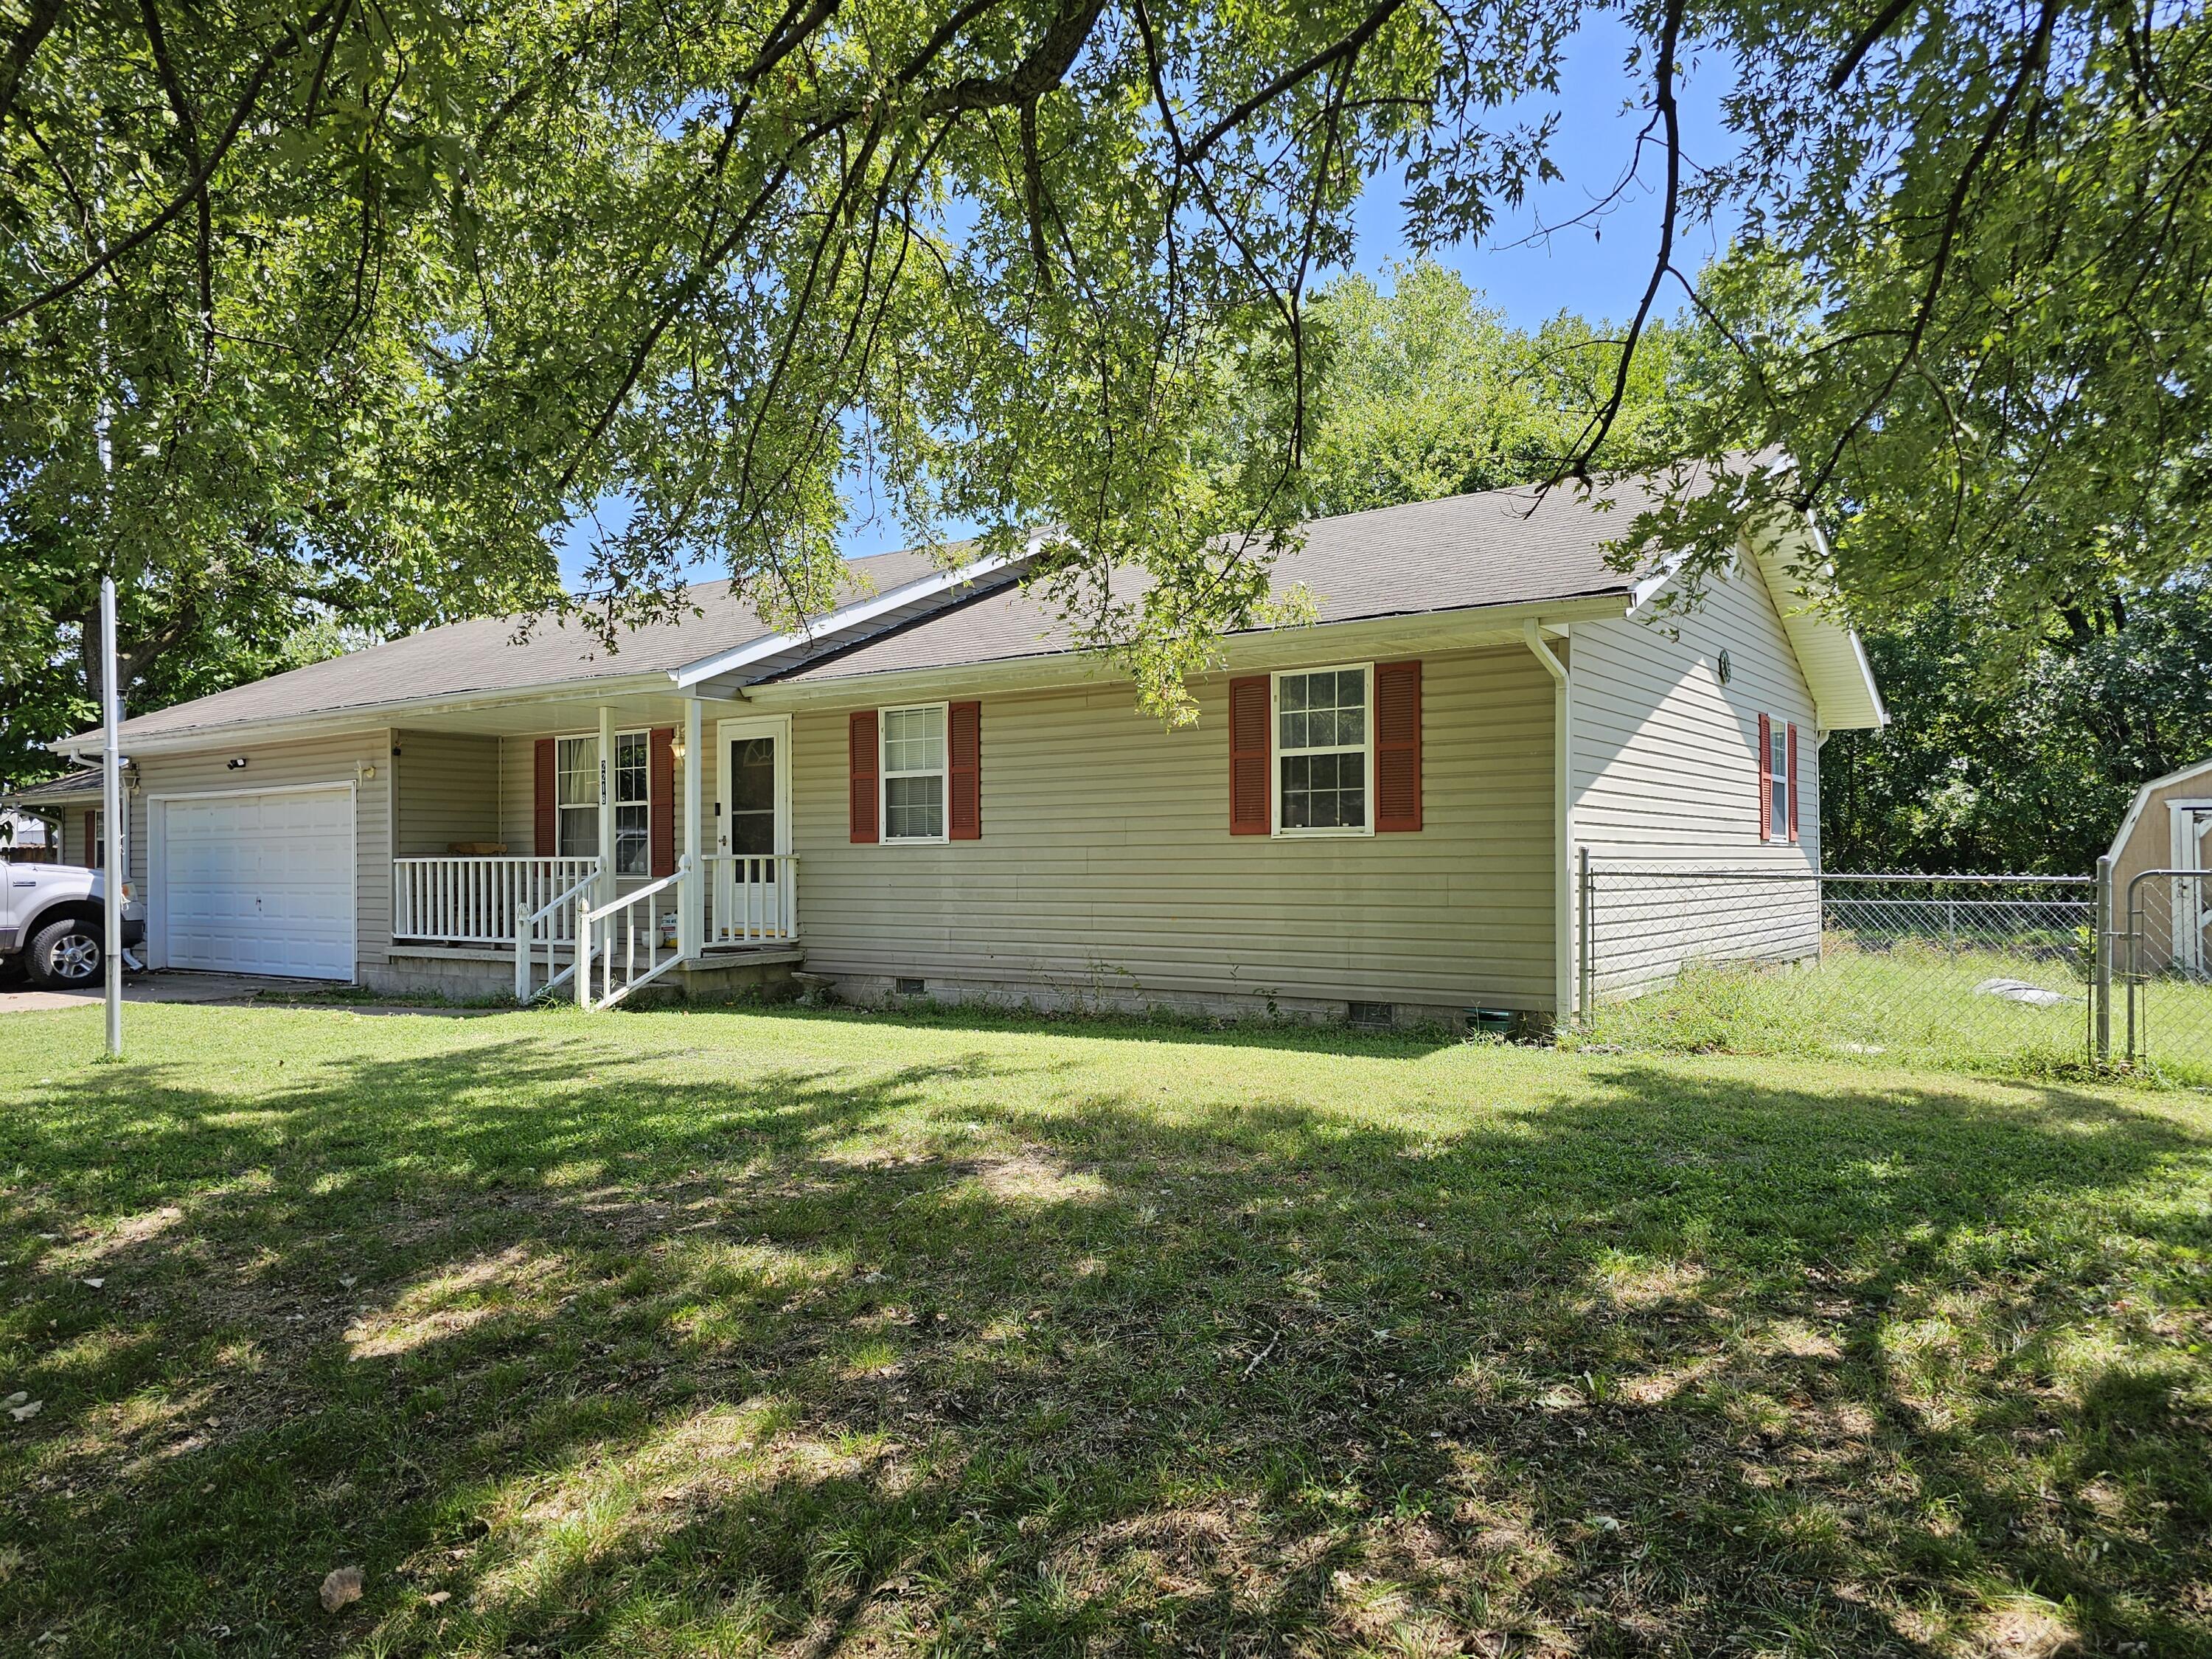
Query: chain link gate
[(1984, 969), (2163, 956)]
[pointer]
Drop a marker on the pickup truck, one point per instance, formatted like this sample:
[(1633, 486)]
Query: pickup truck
[(51, 918)]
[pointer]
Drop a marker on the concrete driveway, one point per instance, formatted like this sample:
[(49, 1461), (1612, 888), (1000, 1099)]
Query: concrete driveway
[(18, 995)]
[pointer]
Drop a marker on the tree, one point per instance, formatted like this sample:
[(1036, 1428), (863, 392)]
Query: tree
[(378, 298), (1988, 765), (1425, 391), (1968, 295)]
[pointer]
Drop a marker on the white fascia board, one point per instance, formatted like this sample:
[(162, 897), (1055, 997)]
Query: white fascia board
[(1826, 566), (856, 615)]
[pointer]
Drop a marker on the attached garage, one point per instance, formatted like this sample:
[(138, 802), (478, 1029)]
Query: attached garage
[(255, 883)]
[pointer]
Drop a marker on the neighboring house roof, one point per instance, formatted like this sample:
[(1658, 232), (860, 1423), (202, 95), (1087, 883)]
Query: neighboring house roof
[(83, 783), (2136, 807), (1520, 547)]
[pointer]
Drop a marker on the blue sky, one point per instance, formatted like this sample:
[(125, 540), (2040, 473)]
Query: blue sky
[(1599, 270)]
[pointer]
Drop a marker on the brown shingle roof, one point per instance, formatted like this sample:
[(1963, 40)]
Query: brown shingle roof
[(1500, 547), (482, 656)]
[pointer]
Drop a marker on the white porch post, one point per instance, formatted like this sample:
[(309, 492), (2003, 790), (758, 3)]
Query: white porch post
[(606, 887), (691, 897)]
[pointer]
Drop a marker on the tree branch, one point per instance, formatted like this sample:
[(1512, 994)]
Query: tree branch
[(1886, 20), (113, 251), (44, 14)]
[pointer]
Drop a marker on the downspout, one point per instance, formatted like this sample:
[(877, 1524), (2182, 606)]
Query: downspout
[(1563, 896)]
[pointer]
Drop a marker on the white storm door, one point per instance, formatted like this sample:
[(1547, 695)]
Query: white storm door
[(260, 884)]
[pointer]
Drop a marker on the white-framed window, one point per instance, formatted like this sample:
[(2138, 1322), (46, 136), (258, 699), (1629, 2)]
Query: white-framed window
[(95, 856), (913, 772), (1323, 750), (576, 799), (1779, 781)]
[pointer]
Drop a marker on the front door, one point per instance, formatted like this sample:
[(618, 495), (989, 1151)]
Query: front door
[(746, 898)]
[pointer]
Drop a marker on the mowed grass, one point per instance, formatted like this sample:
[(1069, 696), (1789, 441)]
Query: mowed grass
[(756, 1333), (1913, 1005)]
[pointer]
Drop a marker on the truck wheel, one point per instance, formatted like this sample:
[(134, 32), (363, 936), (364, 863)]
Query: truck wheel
[(66, 955)]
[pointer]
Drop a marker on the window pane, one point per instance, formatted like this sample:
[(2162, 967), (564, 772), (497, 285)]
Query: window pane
[(630, 752), (632, 854), (577, 771), (913, 740), (1322, 711), (752, 775), (1324, 791), (580, 832), (913, 808)]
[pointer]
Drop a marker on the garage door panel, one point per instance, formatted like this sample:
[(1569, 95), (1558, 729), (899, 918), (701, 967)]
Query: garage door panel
[(259, 883)]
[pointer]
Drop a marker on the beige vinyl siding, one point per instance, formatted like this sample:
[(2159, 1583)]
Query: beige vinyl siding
[(447, 787), (337, 761), (518, 798), (1107, 876), (1665, 774)]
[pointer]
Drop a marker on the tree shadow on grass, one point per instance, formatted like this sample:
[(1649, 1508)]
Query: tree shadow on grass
[(833, 1358)]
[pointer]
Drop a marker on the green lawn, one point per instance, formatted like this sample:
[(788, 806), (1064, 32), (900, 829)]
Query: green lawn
[(1913, 1004), (776, 1332)]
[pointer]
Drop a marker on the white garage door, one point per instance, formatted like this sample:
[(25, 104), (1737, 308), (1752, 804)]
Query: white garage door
[(258, 884)]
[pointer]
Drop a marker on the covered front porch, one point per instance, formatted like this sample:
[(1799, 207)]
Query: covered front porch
[(640, 838)]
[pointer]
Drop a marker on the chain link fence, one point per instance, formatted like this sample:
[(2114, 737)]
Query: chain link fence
[(1949, 970)]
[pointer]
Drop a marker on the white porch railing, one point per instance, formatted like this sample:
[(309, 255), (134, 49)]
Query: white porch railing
[(481, 901), (610, 933), (751, 897), (554, 923)]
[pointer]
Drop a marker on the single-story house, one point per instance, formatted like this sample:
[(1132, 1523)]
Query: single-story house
[(931, 791), (70, 805), (2168, 917)]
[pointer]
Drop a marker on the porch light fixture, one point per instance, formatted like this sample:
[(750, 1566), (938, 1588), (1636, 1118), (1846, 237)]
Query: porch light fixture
[(676, 747)]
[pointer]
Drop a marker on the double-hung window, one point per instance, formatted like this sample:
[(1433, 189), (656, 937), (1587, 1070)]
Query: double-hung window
[(913, 773), (1322, 758), (1779, 781), (576, 784)]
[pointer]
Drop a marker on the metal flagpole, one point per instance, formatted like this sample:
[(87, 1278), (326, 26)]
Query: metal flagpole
[(110, 783)]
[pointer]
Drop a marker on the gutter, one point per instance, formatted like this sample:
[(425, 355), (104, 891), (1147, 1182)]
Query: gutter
[(1563, 824)]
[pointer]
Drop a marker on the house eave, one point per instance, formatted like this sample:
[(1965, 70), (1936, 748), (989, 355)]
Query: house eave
[(85, 746)]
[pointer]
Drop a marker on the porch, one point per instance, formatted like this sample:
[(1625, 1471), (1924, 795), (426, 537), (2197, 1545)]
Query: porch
[(620, 846)]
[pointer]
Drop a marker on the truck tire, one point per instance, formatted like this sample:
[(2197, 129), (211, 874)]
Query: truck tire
[(67, 955)]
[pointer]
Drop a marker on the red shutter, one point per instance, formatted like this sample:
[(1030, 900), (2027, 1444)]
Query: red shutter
[(860, 744), (1247, 755), (1793, 780), (1766, 778), (1397, 746), (91, 839), (545, 823), (964, 735), (660, 796)]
